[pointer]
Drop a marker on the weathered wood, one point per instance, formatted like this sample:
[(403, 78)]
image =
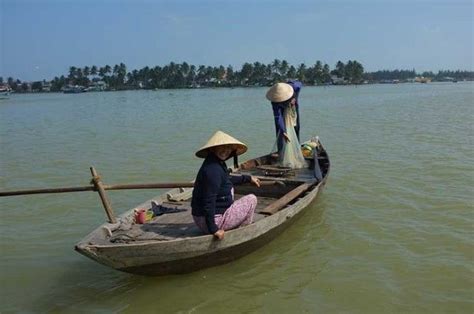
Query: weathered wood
[(93, 188), (149, 186), (283, 201), (171, 244), (266, 183), (179, 196), (190, 251), (163, 185), (49, 190), (103, 196), (317, 168)]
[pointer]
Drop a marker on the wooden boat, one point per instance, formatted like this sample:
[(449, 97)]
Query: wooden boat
[(171, 243), (74, 89), (4, 90)]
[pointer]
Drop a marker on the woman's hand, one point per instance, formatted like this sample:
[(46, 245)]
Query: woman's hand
[(219, 234), (285, 136), (255, 181)]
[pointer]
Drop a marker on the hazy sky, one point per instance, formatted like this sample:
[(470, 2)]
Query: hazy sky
[(41, 39)]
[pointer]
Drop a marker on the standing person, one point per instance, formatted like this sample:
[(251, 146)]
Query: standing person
[(213, 207), (283, 97)]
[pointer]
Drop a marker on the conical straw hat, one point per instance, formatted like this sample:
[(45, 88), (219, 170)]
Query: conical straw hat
[(220, 138), (280, 92)]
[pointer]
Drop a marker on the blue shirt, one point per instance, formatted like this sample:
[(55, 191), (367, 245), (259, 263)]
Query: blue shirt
[(279, 108)]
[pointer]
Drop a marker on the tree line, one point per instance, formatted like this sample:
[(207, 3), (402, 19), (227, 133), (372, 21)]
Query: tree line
[(409, 74), (184, 75)]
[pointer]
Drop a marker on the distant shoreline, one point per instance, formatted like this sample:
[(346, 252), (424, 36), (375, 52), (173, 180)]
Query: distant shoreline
[(228, 87), (186, 76)]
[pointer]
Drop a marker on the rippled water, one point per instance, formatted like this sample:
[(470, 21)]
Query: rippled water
[(392, 232)]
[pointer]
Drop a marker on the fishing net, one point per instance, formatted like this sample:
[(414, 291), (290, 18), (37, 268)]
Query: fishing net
[(290, 154)]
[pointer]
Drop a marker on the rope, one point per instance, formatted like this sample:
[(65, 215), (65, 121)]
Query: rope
[(95, 180)]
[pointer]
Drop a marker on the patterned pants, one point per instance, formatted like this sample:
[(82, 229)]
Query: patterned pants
[(240, 213)]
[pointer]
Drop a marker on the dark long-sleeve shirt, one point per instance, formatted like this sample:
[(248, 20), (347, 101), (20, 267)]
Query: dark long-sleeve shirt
[(279, 108), (212, 190)]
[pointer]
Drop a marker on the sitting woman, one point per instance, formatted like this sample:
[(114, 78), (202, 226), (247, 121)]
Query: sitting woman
[(213, 206)]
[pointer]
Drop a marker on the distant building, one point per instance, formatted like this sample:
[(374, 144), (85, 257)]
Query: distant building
[(422, 79), (46, 86), (446, 79), (97, 86), (338, 80), (389, 81)]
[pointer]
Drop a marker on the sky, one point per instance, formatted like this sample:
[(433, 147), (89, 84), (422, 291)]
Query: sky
[(41, 39)]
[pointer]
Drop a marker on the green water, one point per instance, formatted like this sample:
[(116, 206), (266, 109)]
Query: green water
[(391, 233)]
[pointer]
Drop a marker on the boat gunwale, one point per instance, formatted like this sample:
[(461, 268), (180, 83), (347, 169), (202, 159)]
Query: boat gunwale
[(200, 237), (84, 247)]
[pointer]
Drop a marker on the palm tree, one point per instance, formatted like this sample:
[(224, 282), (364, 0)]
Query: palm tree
[(357, 72), (86, 71), (72, 74), (192, 76), (291, 72), (318, 72), (102, 72), (326, 76), (301, 72), (201, 74), (348, 71), (275, 66), (230, 75), (258, 73), (94, 70), (122, 72), (221, 72), (115, 70), (340, 69), (283, 69), (245, 73)]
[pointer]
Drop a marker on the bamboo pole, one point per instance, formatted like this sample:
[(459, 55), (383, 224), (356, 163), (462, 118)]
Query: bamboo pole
[(149, 186), (103, 196), (47, 191), (137, 186), (99, 187), (163, 185)]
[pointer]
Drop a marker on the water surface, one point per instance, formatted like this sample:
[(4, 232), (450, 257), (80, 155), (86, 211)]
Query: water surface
[(392, 232)]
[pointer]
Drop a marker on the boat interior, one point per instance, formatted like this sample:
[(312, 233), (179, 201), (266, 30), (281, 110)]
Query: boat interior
[(173, 218)]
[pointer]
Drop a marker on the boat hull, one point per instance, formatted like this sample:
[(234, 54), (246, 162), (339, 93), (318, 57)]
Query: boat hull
[(219, 257), (190, 253), (173, 257)]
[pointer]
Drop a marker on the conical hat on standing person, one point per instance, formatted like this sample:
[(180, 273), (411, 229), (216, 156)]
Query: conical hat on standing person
[(280, 92), (218, 139)]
